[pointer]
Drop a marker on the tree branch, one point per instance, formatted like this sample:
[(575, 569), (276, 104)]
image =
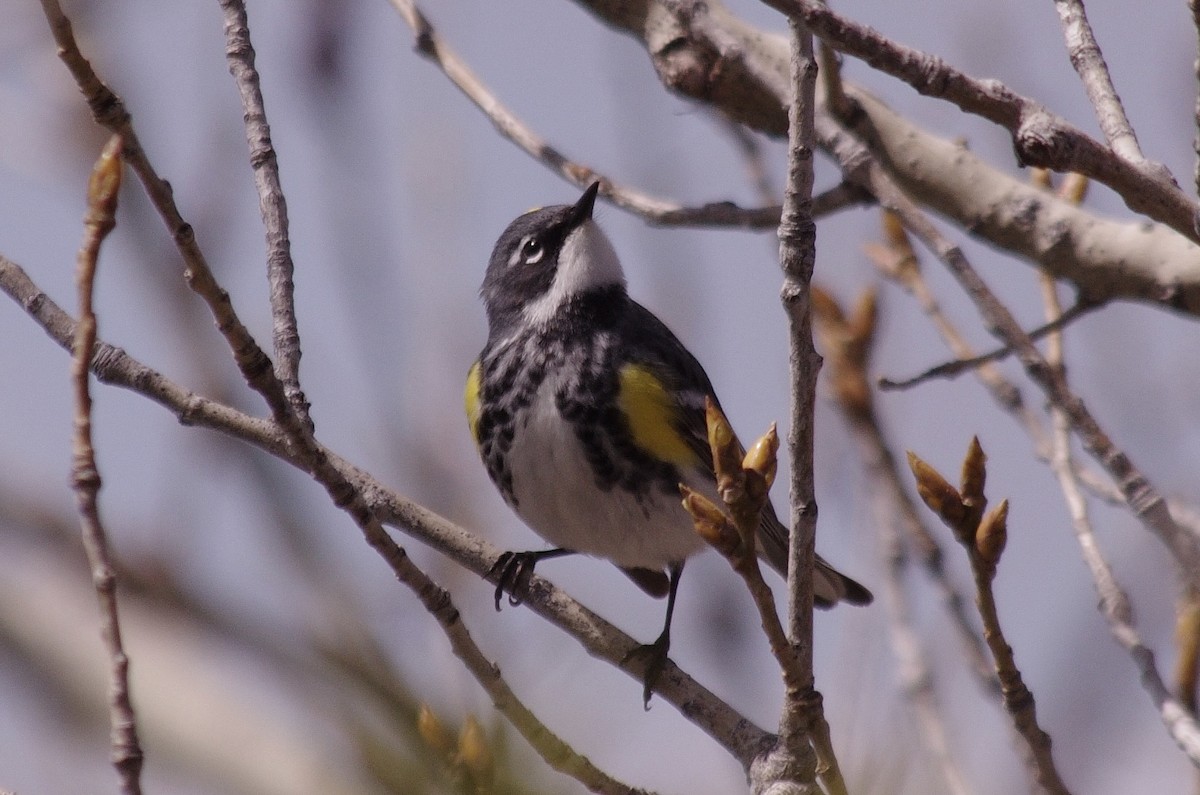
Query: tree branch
[(1040, 137), (983, 537), (1143, 499), (1093, 71), (702, 51), (956, 367), (802, 719), (847, 343), (654, 210), (739, 736), (99, 220), (271, 201)]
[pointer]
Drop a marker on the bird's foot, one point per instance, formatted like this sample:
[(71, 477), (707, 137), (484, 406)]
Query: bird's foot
[(652, 657), (512, 571)]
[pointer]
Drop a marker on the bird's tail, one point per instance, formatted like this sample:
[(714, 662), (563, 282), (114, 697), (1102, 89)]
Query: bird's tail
[(830, 586)]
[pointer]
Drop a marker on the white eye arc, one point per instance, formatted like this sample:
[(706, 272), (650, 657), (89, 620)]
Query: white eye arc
[(532, 249)]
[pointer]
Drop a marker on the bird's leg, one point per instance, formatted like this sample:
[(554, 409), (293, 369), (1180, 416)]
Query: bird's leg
[(654, 655), (512, 571)]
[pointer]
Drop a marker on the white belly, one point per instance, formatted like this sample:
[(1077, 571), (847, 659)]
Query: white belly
[(558, 498)]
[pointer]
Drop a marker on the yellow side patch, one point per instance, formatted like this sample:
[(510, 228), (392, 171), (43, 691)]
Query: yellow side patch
[(471, 401), (652, 414)]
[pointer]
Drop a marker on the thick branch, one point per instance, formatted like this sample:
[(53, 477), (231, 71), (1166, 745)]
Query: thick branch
[(704, 52), (601, 639)]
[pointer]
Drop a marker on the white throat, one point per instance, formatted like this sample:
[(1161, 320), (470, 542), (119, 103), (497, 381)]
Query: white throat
[(587, 261)]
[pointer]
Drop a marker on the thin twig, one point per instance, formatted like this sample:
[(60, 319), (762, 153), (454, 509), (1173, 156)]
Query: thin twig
[(797, 258), (802, 718), (956, 367), (1040, 137), (601, 639), (1114, 603), (1146, 503), (847, 343), (1018, 699), (109, 112), (271, 201), (100, 219), (1194, 6), (1088, 61), (660, 212), (1140, 494), (898, 262), (553, 750), (916, 675), (983, 537), (743, 481)]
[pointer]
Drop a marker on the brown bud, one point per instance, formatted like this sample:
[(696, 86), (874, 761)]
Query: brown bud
[(1074, 188), (710, 522), (974, 476), (862, 325), (475, 754), (762, 457), (105, 180), (726, 452), (992, 536), (942, 498), (1039, 177), (433, 732), (897, 238)]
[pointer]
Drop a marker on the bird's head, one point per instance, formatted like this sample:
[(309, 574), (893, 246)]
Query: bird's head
[(546, 258)]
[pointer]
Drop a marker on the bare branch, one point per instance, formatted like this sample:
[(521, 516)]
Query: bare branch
[(983, 536), (100, 219), (1093, 71), (1114, 603), (898, 261), (1140, 494), (847, 343), (272, 204), (1195, 9), (802, 719), (601, 639), (1040, 138), (704, 52), (436, 600), (109, 112), (797, 258), (656, 211), (956, 367)]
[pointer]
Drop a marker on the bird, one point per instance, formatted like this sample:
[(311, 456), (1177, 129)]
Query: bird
[(588, 413)]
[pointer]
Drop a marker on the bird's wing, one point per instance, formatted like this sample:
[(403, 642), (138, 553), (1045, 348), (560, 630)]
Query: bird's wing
[(668, 374), (679, 385)]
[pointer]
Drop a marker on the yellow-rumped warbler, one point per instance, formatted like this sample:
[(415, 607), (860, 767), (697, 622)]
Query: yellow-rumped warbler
[(588, 414)]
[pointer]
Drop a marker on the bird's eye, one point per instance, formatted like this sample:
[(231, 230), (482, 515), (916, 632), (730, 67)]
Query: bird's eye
[(531, 249)]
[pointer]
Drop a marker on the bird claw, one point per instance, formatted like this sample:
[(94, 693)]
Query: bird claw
[(653, 659), (512, 571)]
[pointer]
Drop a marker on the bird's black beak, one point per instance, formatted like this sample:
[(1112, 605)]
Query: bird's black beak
[(582, 211)]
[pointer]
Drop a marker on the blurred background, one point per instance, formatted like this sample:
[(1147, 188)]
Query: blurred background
[(273, 652)]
